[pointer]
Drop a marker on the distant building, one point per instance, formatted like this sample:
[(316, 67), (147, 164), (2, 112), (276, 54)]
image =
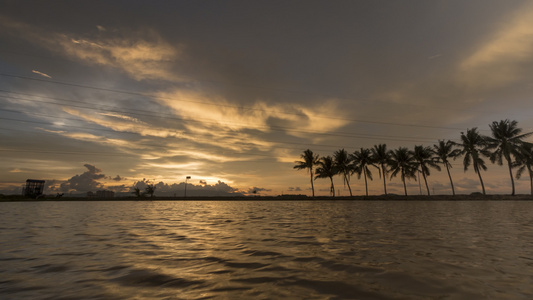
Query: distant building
[(33, 188), (101, 194)]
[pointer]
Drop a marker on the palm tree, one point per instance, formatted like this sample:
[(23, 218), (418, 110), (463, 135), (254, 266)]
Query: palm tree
[(326, 169), (402, 162), (342, 164), (150, 189), (444, 150), (525, 161), (381, 156), (505, 143), (309, 160), (136, 191), (424, 159), (473, 148), (360, 161)]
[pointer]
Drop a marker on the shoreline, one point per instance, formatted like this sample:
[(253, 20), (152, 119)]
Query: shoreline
[(476, 197)]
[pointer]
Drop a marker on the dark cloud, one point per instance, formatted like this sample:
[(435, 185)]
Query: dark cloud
[(87, 181), (118, 188), (256, 190), (117, 178)]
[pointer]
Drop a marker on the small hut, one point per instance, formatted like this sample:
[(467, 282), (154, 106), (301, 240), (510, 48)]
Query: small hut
[(33, 188)]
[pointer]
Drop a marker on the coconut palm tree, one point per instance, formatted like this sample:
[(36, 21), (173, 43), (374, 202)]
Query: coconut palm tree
[(150, 189), (361, 160), (473, 145), (381, 156), (524, 162), (424, 160), (342, 164), (505, 143), (309, 160), (402, 162), (443, 151), (136, 191), (327, 169)]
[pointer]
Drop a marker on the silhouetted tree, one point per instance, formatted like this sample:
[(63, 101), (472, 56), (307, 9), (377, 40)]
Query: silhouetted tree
[(402, 162), (443, 151), (136, 192), (326, 169), (474, 146), (424, 160), (309, 160), (361, 160), (342, 165), (150, 189), (505, 143), (524, 162), (381, 156)]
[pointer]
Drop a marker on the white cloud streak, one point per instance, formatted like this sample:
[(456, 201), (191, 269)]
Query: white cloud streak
[(41, 73)]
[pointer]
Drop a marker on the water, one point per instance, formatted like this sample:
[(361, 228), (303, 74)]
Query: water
[(266, 250)]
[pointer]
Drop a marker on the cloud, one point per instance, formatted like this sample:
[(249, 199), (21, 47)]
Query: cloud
[(473, 185), (87, 181), (119, 188), (123, 117), (141, 54), (178, 189), (41, 73), (118, 178), (256, 190), (215, 111), (126, 125), (505, 55)]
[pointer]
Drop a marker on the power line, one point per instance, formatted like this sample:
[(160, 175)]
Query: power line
[(172, 117), (224, 105), (283, 129)]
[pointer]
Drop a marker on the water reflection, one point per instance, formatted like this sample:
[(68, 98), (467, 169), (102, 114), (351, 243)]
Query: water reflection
[(266, 250)]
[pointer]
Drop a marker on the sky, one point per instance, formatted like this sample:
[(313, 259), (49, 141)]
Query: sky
[(110, 94)]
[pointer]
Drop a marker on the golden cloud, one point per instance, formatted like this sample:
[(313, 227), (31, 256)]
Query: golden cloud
[(213, 111), (142, 55), (498, 60), (126, 125)]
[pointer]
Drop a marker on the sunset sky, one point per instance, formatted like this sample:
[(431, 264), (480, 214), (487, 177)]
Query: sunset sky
[(104, 94)]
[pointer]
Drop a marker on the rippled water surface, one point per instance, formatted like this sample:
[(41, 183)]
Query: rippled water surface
[(266, 250)]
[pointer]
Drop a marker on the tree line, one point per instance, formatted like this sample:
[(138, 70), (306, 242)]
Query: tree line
[(505, 144)]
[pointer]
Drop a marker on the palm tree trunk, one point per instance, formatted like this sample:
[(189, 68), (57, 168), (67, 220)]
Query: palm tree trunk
[(384, 179), (476, 169), (530, 179), (312, 185), (404, 186), (511, 174), (347, 181), (366, 184), (426, 181), (450, 176), (332, 189)]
